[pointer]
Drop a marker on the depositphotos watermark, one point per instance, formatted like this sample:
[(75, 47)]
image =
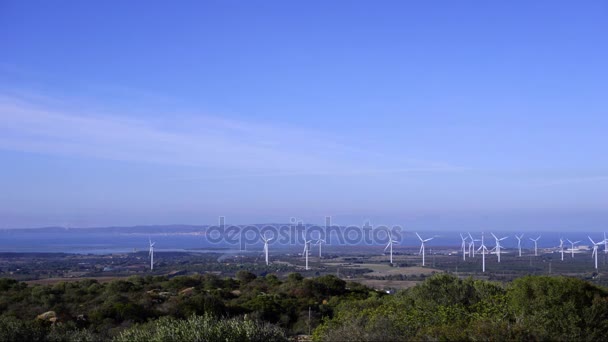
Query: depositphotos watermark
[(297, 233)]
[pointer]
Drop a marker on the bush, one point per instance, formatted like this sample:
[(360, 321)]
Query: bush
[(202, 328)]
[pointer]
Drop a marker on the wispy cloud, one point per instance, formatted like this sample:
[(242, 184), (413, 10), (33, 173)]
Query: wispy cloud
[(572, 180), (196, 140)]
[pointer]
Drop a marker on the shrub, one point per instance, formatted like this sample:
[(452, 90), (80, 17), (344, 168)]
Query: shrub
[(202, 328)]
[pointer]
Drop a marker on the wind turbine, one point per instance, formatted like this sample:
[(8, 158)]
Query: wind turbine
[(595, 246), (535, 245), (306, 251), (498, 245), (422, 246), (572, 249), (390, 244), (319, 242), (483, 250), (472, 246), (464, 246), (266, 241), (151, 254), (519, 242), (605, 244), (561, 247)]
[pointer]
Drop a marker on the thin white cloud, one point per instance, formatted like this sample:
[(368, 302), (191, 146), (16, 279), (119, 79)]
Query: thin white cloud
[(361, 172), (195, 140), (573, 180)]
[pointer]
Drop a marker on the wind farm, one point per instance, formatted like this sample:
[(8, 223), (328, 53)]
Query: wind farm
[(398, 260), (300, 171), (401, 255)]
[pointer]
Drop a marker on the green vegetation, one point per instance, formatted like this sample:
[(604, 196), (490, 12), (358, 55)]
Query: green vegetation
[(269, 308), (104, 310), (447, 308), (204, 328)]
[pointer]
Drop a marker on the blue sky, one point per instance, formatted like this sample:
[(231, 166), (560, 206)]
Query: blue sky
[(428, 114)]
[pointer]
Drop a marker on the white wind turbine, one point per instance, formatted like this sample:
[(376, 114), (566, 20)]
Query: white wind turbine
[(472, 246), (151, 254), (498, 246), (266, 241), (464, 246), (572, 244), (306, 252), (390, 245), (519, 242), (483, 250), (561, 247), (595, 246), (422, 246), (535, 245), (319, 242)]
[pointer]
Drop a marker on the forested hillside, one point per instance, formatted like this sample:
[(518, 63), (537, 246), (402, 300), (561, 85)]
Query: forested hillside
[(272, 309)]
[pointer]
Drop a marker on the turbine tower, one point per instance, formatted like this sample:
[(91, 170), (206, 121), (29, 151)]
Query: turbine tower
[(464, 246), (306, 251), (151, 254), (483, 250), (390, 244), (266, 241), (519, 242), (319, 242), (422, 241), (535, 245), (472, 246), (572, 249), (561, 247), (595, 246), (497, 248)]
